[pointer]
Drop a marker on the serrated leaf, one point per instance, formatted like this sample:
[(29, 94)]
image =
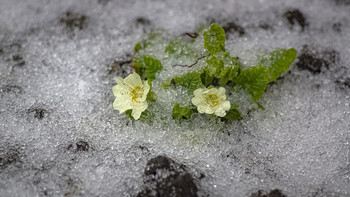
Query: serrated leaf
[(227, 74), (191, 80), (180, 113), (137, 47), (151, 96), (222, 67), (214, 39), (214, 65), (278, 62), (233, 113), (254, 80), (145, 115), (206, 78), (146, 67), (230, 71)]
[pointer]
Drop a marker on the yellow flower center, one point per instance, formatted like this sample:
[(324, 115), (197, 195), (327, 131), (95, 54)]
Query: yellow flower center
[(212, 99), (136, 93)]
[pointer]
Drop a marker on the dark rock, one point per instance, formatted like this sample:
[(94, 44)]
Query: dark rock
[(344, 82), (164, 177), (118, 67), (142, 21), (259, 193), (82, 146), (337, 27), (273, 193), (295, 17), (160, 162), (1, 51), (309, 61), (202, 176), (234, 27), (19, 60), (22, 63), (74, 21), (276, 193), (39, 113), (9, 157), (114, 67), (265, 26), (11, 88)]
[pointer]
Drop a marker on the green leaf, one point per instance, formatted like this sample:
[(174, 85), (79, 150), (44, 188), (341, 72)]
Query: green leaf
[(214, 65), (180, 113), (214, 39), (230, 71), (128, 113), (151, 96), (191, 80), (141, 45), (278, 62), (233, 113), (167, 83), (145, 115), (137, 47), (178, 48), (254, 80), (226, 75), (147, 67), (261, 107), (206, 78), (223, 67)]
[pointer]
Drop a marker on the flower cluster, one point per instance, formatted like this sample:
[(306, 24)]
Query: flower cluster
[(131, 93), (211, 101)]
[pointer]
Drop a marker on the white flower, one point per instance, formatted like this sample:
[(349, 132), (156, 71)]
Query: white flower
[(211, 101), (131, 93)]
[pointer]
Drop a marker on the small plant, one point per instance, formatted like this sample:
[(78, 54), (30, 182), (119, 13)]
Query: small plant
[(200, 70)]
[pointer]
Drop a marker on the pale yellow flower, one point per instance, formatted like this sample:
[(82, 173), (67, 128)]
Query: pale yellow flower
[(131, 93), (211, 101)]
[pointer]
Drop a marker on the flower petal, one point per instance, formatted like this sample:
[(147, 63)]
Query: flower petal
[(198, 92), (133, 80), (220, 113), (221, 90), (122, 105), (136, 111), (146, 89), (212, 91), (226, 105), (205, 109), (120, 80), (120, 90), (197, 100), (200, 100)]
